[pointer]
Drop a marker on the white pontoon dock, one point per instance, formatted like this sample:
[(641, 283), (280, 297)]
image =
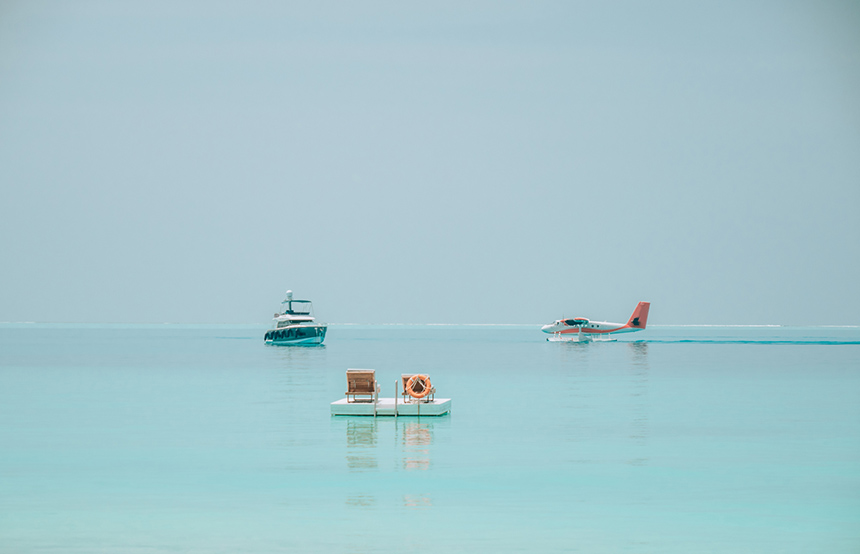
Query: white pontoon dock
[(391, 407), (418, 397)]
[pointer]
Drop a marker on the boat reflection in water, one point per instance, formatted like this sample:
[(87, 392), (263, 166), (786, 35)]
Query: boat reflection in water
[(600, 409), (638, 390)]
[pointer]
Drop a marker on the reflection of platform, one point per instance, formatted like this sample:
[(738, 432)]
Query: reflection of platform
[(386, 407)]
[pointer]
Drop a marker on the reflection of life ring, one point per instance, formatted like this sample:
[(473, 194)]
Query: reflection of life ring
[(418, 386)]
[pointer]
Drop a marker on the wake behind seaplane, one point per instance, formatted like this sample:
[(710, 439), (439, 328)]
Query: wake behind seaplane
[(580, 329)]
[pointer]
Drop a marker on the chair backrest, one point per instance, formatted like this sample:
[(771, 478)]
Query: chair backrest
[(361, 380), (404, 377)]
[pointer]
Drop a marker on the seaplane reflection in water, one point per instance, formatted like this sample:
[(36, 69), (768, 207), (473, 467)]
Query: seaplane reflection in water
[(580, 329)]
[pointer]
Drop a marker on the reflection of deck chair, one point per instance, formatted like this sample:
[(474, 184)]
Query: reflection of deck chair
[(404, 379), (361, 382)]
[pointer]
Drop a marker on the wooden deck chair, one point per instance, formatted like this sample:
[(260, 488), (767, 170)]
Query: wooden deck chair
[(361, 382), (404, 379)]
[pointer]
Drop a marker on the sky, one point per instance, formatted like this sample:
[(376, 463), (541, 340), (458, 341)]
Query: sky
[(430, 162)]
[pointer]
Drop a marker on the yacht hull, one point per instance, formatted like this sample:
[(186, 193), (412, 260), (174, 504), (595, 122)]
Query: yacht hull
[(296, 335)]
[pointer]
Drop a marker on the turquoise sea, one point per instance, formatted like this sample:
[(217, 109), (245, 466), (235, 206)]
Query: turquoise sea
[(171, 438)]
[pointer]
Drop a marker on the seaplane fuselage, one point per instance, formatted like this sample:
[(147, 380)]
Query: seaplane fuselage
[(586, 329)]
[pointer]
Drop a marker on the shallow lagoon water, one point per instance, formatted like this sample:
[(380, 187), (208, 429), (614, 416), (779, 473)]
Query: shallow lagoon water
[(148, 438)]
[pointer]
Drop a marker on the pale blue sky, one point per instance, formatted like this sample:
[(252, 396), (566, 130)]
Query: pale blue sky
[(430, 162)]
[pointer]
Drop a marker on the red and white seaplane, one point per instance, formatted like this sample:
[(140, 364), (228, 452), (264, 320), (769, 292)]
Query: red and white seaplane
[(580, 329)]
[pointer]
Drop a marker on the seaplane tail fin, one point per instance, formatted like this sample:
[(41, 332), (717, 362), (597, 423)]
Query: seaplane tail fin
[(640, 316)]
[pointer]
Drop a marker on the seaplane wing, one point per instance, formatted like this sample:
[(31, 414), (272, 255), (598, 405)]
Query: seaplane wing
[(581, 328)]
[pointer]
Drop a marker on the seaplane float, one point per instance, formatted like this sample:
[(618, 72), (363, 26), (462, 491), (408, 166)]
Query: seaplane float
[(581, 329)]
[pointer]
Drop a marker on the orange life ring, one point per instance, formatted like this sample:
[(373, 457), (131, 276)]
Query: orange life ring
[(423, 386)]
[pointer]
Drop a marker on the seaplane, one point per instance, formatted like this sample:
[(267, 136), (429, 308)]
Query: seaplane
[(581, 329)]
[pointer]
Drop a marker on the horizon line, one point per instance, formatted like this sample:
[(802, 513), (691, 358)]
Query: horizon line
[(413, 324)]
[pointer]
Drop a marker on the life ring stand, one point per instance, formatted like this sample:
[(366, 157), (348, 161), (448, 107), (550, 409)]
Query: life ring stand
[(422, 382)]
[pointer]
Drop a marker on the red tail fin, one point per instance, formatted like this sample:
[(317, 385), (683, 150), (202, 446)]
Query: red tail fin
[(640, 316)]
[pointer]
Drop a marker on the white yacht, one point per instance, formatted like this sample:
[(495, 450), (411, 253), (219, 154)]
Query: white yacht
[(296, 324)]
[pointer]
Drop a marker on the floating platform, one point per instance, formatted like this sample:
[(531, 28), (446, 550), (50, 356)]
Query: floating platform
[(391, 407)]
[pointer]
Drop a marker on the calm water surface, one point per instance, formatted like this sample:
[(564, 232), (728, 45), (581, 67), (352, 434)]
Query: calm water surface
[(202, 439)]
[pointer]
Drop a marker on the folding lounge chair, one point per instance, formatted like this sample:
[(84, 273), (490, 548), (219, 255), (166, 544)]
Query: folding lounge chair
[(361, 382)]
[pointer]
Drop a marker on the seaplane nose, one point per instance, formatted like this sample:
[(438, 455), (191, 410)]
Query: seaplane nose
[(547, 328)]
